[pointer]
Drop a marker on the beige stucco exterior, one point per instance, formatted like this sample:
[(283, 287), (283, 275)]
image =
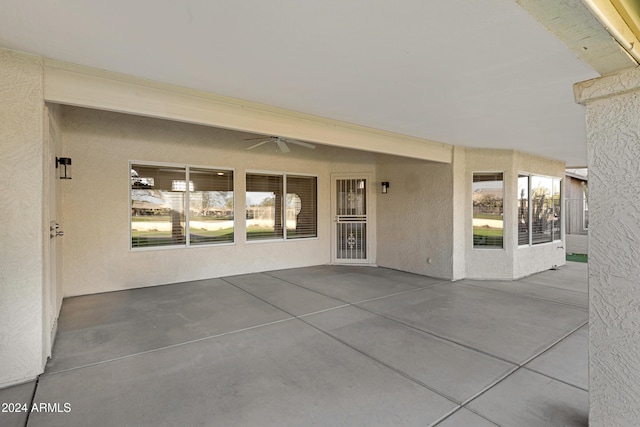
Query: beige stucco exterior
[(613, 127), (22, 352), (512, 261), (96, 202), (422, 225)]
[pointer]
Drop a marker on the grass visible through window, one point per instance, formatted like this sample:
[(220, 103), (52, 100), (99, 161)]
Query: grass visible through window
[(578, 257)]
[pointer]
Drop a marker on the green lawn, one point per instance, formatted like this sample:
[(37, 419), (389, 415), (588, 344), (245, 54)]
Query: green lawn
[(578, 257), (483, 236)]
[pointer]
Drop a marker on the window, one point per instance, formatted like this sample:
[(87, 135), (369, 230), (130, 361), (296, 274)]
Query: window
[(539, 209), (585, 209), (210, 206), (488, 223), (264, 207), (555, 214), (165, 211), (301, 218), (523, 210), (272, 216), (585, 215)]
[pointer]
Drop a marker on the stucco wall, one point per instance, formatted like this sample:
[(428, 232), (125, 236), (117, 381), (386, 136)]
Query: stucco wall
[(95, 202), (490, 263), (461, 226), (532, 259), (510, 262), (613, 131), (21, 210), (415, 217), (427, 216)]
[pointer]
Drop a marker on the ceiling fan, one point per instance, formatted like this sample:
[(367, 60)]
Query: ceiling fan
[(281, 143)]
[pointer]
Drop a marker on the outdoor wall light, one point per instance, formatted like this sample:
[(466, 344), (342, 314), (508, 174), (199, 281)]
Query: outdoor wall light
[(64, 164), (385, 187)]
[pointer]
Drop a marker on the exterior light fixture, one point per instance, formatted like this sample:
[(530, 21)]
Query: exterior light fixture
[(385, 187), (64, 164)]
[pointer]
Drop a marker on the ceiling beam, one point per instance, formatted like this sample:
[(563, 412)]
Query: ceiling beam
[(69, 84)]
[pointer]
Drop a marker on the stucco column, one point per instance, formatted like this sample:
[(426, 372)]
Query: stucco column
[(613, 133), (21, 214)]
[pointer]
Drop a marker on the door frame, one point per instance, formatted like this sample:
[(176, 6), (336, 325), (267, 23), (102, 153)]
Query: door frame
[(370, 218), (52, 294)]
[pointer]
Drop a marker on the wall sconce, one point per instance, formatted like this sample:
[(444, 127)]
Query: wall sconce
[(64, 164), (385, 187)]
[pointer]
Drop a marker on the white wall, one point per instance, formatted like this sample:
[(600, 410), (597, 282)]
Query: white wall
[(510, 262), (427, 216), (21, 209), (490, 263), (613, 130), (96, 201), (415, 217), (577, 243), (532, 259), (462, 228)]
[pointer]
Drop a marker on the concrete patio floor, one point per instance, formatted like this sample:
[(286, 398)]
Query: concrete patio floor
[(324, 345)]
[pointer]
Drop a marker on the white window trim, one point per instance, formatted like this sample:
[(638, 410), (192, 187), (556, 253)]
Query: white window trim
[(284, 217), (187, 244), (530, 213), (490, 248)]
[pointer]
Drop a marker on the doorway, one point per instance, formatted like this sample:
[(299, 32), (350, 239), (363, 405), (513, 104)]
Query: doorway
[(350, 233), (53, 284)]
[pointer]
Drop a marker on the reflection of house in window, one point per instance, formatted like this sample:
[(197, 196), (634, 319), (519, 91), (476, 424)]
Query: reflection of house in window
[(159, 196), (576, 201), (266, 216), (585, 215), (488, 200), (539, 209)]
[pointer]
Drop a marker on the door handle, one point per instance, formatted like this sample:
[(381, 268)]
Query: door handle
[(54, 230)]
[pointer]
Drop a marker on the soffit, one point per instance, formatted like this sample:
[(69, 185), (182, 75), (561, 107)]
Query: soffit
[(476, 74)]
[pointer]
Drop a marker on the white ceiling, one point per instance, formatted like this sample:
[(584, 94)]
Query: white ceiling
[(480, 73)]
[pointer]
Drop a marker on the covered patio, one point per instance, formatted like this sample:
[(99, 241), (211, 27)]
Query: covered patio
[(321, 345)]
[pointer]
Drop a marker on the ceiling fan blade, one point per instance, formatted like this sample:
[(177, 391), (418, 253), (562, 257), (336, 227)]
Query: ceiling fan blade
[(282, 146), (303, 144), (253, 139), (258, 144)]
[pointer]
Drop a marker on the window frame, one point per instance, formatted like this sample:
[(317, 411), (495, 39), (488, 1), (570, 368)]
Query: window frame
[(585, 214), (554, 179), (186, 207), (529, 210), (284, 176), (488, 172)]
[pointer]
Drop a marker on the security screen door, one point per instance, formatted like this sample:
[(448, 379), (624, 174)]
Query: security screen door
[(350, 239)]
